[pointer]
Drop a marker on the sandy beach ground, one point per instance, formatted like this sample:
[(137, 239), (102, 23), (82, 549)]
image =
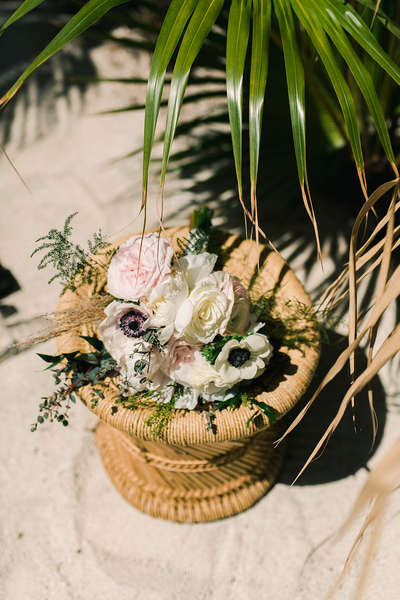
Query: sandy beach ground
[(65, 532)]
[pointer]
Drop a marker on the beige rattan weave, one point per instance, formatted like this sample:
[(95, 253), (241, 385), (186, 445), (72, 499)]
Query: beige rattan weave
[(190, 474)]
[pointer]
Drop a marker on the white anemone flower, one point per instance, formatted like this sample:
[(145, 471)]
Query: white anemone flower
[(245, 359)]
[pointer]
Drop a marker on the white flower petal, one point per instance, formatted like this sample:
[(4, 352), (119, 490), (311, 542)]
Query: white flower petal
[(196, 267), (184, 315)]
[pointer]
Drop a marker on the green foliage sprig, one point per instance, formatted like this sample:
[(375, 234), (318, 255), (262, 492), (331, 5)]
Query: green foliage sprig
[(77, 369), (75, 266), (242, 397), (291, 323), (162, 412), (202, 237)]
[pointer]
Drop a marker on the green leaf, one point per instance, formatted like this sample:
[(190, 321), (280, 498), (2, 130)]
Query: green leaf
[(296, 94), (351, 21), (383, 17), (90, 358), (88, 14), (267, 410), (54, 360), (258, 80), (200, 25), (171, 31), (361, 75), (318, 38), (236, 49), (295, 83), (22, 10), (93, 341), (253, 416), (50, 359)]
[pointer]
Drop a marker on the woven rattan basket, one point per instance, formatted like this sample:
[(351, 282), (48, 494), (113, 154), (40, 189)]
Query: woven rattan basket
[(190, 474)]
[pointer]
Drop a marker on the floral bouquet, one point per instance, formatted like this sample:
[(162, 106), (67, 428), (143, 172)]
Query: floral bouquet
[(180, 331), (180, 328)]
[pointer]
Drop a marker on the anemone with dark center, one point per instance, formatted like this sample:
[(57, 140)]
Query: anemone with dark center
[(238, 356), (131, 324)]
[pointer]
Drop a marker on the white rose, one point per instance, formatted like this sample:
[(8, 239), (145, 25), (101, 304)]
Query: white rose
[(196, 267), (244, 360), (200, 317)]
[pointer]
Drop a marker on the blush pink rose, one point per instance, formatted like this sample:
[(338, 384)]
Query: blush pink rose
[(179, 360), (131, 279), (240, 316)]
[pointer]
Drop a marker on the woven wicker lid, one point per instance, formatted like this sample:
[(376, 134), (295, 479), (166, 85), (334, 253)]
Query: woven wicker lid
[(280, 387)]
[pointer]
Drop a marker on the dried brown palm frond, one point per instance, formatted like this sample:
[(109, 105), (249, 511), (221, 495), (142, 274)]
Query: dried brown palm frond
[(386, 475), (88, 311), (381, 482)]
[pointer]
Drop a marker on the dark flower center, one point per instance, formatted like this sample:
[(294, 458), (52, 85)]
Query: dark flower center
[(238, 356), (131, 324)]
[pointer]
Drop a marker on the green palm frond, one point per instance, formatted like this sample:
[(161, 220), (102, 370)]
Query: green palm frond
[(21, 11)]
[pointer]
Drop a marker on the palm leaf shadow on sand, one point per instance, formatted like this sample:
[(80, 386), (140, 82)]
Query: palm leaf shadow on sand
[(347, 451)]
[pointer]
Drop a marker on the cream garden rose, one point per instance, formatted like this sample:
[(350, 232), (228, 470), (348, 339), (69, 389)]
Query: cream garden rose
[(202, 315)]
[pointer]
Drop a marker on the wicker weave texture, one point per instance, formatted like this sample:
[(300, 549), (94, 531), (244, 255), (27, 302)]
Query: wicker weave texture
[(197, 495)]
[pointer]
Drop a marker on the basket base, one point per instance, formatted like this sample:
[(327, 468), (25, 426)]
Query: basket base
[(190, 497)]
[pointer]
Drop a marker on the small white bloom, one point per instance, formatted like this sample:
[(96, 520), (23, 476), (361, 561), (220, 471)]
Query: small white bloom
[(205, 379), (220, 397), (165, 394), (188, 399), (246, 359)]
